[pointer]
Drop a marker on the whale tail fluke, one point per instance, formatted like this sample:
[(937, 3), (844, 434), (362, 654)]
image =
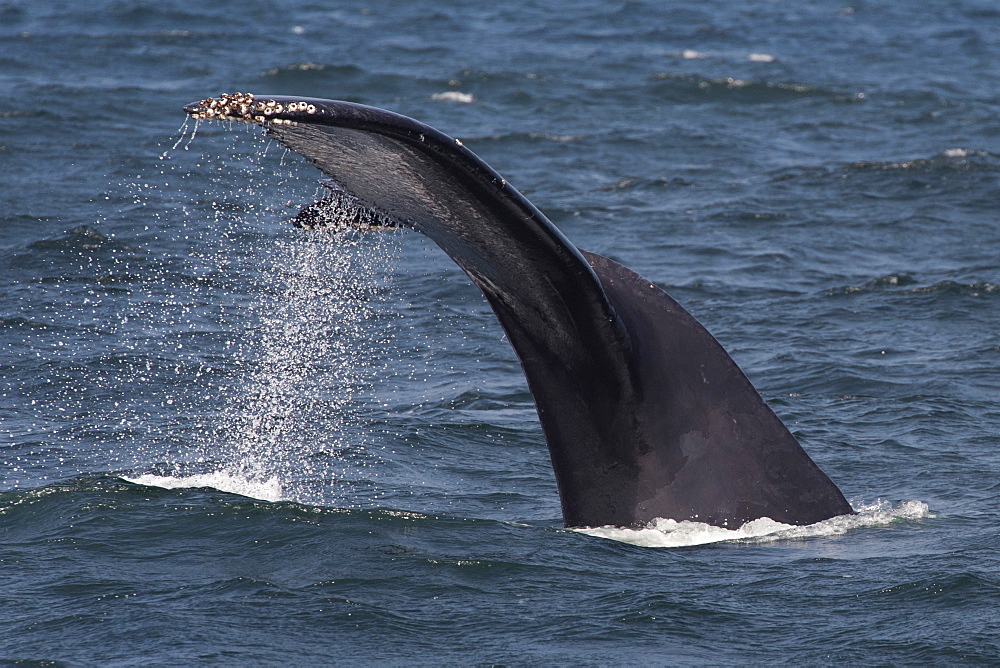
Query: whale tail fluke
[(644, 413)]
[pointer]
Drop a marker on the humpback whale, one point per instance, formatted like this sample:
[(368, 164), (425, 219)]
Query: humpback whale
[(644, 414)]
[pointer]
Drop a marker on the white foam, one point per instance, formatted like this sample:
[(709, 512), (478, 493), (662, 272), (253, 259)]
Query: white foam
[(957, 153), (691, 54), (671, 533), (224, 481), (761, 58), (454, 96)]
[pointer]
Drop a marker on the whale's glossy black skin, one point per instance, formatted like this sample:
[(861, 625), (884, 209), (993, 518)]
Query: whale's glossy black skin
[(644, 413)]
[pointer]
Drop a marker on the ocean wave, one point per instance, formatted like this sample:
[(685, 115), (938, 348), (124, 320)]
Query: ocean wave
[(22, 113), (454, 96), (79, 238), (948, 160), (686, 88), (19, 322), (643, 183), (307, 66), (518, 137), (350, 80), (269, 489), (671, 533), (907, 284)]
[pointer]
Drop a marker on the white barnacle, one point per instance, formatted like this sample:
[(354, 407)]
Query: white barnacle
[(459, 142), (311, 108)]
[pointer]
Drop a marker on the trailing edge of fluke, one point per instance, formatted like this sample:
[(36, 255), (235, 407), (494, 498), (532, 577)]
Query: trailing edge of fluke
[(644, 413)]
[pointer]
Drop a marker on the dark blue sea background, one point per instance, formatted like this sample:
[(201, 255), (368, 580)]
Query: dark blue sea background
[(228, 441)]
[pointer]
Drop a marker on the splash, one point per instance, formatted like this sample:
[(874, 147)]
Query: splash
[(246, 349), (671, 533), (296, 414)]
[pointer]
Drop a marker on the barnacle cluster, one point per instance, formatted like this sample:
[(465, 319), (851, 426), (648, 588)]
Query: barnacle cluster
[(243, 107)]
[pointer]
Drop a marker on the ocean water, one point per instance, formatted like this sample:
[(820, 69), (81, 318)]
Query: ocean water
[(224, 440)]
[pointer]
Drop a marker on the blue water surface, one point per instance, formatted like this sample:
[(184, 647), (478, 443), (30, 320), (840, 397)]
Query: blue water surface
[(224, 440)]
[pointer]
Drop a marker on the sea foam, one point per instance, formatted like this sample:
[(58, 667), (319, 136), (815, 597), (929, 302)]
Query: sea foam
[(671, 533), (224, 481)]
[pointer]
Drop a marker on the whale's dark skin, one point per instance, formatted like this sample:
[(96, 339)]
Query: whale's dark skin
[(644, 413)]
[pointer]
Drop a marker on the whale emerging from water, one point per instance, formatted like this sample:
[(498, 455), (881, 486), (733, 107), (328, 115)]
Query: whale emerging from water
[(645, 415)]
